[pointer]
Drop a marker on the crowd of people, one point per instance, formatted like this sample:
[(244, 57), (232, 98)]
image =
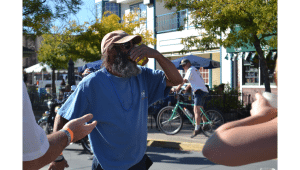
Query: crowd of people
[(115, 99)]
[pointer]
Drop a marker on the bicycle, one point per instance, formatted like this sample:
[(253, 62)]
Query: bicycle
[(170, 119)]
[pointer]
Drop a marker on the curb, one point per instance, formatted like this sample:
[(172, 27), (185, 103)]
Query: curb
[(186, 146)]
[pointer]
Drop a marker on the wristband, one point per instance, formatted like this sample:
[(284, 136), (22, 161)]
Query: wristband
[(59, 158), (69, 134)]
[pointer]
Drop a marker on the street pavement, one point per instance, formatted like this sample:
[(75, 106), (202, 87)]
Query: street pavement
[(182, 140), (176, 152), (163, 159)]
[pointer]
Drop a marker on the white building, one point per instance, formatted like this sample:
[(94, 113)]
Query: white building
[(170, 28)]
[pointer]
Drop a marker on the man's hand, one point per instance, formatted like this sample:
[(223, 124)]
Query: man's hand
[(58, 165), (79, 128), (261, 107), (140, 52)]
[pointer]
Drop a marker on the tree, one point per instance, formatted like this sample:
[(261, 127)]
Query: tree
[(54, 51), (257, 20), (38, 14), (84, 41), (88, 36)]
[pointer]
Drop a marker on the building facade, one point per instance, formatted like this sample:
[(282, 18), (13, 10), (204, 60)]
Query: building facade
[(245, 69), (169, 27)]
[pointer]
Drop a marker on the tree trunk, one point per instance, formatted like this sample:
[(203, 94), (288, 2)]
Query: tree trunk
[(263, 64), (53, 81)]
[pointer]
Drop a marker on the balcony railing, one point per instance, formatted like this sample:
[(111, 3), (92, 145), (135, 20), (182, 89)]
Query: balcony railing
[(174, 21)]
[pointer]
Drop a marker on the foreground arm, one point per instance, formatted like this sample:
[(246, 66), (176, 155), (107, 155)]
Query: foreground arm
[(58, 124), (58, 141), (245, 141), (171, 72)]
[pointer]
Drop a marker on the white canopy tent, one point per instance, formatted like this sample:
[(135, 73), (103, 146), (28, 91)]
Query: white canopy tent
[(40, 68)]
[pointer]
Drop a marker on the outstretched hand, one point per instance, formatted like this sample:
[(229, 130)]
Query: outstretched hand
[(79, 127)]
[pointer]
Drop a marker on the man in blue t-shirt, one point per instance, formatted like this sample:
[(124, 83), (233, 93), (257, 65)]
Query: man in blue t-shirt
[(118, 95)]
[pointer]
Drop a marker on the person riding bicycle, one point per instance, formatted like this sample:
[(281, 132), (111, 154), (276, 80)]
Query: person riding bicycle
[(198, 88)]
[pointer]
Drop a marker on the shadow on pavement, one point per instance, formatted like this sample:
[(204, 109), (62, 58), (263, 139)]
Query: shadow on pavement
[(79, 151), (165, 150), (159, 155)]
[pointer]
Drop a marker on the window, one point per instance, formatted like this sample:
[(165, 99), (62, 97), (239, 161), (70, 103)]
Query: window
[(204, 74), (141, 9), (104, 6), (252, 74), (113, 7)]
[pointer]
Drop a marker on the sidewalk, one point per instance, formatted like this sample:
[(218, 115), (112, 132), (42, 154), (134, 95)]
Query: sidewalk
[(180, 141)]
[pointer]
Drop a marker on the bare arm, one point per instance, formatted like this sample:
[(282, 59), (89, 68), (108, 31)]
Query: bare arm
[(171, 72), (57, 142), (180, 85), (243, 145), (245, 141), (59, 123)]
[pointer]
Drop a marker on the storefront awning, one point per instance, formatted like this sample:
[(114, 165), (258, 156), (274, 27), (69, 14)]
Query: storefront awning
[(249, 55)]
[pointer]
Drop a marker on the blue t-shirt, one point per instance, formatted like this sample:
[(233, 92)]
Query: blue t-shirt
[(119, 140)]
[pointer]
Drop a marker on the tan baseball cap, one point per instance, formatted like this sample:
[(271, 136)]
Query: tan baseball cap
[(118, 37)]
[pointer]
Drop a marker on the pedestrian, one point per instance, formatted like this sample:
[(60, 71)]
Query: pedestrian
[(249, 140), (86, 72), (199, 91), (40, 149), (118, 95)]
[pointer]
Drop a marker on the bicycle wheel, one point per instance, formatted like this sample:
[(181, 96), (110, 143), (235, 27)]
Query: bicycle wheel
[(167, 122), (216, 120)]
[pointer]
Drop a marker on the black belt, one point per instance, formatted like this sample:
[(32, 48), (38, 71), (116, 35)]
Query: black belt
[(144, 164)]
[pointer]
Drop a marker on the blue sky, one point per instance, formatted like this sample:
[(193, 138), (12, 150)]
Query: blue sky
[(84, 15)]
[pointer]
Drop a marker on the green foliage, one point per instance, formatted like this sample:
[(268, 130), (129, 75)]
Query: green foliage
[(232, 23), (256, 18), (225, 100), (87, 44), (84, 41), (38, 14), (54, 49)]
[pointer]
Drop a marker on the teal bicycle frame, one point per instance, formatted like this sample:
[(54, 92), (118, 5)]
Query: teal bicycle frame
[(190, 119)]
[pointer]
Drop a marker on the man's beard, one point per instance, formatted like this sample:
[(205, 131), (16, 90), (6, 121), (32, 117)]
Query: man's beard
[(124, 66)]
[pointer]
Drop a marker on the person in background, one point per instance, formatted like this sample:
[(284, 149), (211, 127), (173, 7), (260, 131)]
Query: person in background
[(199, 90), (86, 72), (40, 149), (220, 89), (249, 140)]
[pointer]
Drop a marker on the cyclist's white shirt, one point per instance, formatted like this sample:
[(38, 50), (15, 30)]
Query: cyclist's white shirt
[(194, 77), (35, 142)]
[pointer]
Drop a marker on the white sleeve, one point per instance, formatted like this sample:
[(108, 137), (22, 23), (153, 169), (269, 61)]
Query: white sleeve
[(35, 141), (188, 74)]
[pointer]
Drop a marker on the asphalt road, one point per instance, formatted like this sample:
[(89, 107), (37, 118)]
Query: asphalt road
[(163, 159)]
